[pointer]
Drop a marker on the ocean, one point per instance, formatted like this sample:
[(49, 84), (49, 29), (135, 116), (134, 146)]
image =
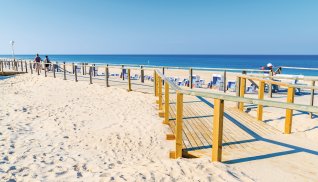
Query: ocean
[(209, 61)]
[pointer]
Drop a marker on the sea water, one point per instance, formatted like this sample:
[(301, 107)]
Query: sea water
[(209, 61)]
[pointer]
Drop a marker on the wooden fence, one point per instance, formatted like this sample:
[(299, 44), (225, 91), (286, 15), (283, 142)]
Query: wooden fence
[(142, 68), (219, 99), (290, 97)]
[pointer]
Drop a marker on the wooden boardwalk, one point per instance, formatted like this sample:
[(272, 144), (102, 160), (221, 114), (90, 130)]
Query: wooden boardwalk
[(244, 138)]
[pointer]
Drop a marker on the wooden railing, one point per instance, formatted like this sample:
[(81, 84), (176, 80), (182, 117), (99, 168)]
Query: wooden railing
[(290, 96), (219, 99), (163, 68)]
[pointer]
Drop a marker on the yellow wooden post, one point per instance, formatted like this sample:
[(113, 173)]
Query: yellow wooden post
[(167, 104), (217, 130), (178, 132), (129, 81), (160, 93), (242, 92), (237, 89), (155, 82), (289, 112), (261, 97)]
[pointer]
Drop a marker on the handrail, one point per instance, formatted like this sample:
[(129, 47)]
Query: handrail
[(286, 78), (226, 97), (276, 104), (279, 83), (172, 84)]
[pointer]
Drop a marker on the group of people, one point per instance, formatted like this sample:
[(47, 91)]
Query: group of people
[(38, 63)]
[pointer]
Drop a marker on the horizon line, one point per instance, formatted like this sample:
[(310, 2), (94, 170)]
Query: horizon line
[(89, 54)]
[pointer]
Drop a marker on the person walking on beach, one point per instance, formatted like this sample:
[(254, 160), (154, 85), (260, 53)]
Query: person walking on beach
[(47, 63), (37, 62)]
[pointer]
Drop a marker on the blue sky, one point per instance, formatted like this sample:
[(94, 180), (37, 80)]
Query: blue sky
[(159, 26)]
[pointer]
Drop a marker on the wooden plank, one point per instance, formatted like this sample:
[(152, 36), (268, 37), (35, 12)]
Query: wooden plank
[(64, 71), (142, 74), (167, 105), (22, 66), (129, 81), (237, 89), (191, 124), (201, 132), (283, 105), (242, 92), (155, 83), (26, 66), (217, 130), (107, 76), (179, 125), (289, 112), (190, 77), (75, 73), (160, 93), (261, 97), (90, 75)]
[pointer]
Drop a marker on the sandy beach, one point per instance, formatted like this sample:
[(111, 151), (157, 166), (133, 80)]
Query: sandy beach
[(56, 130)]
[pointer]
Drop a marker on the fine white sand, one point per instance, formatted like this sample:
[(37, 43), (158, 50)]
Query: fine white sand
[(55, 130)]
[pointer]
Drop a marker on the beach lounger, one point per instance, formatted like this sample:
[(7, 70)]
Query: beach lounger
[(215, 82), (231, 85), (135, 77), (216, 79), (251, 89), (197, 84)]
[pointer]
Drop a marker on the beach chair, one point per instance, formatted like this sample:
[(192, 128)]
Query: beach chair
[(231, 86), (186, 82), (251, 89), (216, 79), (176, 80), (135, 77), (197, 84)]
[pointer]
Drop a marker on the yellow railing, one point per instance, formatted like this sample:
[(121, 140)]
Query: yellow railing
[(218, 110)]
